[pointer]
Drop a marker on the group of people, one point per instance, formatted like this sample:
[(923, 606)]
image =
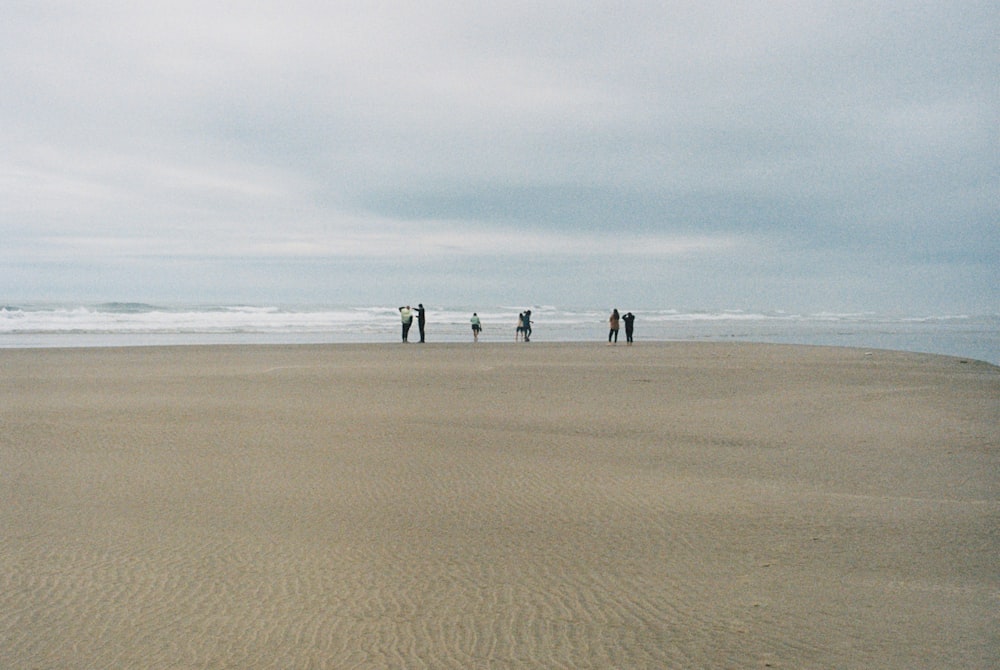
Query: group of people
[(615, 322), (406, 314), (522, 333)]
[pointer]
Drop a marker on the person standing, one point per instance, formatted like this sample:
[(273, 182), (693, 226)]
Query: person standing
[(527, 325), (406, 315), (519, 332), (476, 327), (421, 320), (613, 322), (629, 320)]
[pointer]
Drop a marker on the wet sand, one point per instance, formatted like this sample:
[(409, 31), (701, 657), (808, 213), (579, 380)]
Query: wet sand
[(674, 505)]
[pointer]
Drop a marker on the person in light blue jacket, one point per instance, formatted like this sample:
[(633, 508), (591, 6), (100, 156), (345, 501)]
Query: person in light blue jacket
[(477, 326)]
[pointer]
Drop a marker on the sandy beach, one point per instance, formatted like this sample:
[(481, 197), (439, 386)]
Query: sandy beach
[(672, 505)]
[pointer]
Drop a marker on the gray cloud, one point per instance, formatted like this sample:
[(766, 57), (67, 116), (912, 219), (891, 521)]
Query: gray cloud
[(798, 145)]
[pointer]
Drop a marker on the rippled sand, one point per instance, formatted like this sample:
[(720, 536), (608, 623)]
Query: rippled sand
[(498, 506)]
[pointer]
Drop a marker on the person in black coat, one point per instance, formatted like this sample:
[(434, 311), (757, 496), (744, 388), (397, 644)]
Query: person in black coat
[(421, 320), (629, 320)]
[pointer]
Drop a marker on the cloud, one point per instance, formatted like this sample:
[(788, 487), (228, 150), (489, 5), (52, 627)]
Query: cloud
[(861, 134)]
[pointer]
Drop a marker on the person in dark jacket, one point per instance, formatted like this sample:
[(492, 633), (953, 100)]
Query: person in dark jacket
[(421, 320), (629, 320)]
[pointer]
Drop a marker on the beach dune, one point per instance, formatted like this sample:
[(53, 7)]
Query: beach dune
[(670, 505)]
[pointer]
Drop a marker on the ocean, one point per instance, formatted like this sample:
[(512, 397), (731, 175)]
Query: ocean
[(139, 324)]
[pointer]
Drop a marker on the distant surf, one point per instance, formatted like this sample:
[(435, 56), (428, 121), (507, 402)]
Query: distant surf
[(138, 323)]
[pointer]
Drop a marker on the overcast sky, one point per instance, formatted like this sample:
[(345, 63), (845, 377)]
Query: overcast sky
[(758, 155)]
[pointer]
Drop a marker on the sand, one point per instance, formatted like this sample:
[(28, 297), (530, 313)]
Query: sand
[(673, 505)]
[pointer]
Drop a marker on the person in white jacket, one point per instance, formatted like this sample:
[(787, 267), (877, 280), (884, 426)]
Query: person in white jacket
[(406, 314)]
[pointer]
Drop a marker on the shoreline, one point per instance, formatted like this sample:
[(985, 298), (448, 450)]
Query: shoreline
[(971, 336), (673, 504), (865, 352)]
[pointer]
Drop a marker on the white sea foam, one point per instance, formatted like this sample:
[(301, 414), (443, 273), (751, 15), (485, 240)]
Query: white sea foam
[(120, 323)]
